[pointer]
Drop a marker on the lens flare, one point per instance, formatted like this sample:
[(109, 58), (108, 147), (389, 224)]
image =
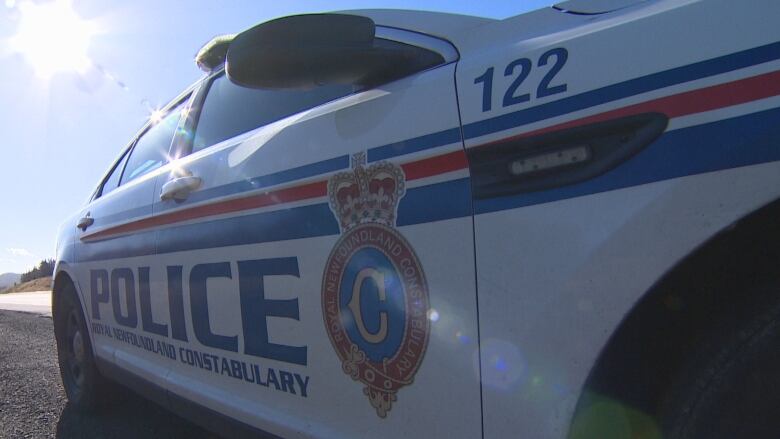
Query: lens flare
[(503, 365), (156, 115), (463, 338)]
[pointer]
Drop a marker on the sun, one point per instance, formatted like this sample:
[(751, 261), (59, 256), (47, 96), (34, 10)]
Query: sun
[(52, 37)]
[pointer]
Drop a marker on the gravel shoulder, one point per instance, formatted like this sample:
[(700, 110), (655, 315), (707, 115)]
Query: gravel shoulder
[(33, 403)]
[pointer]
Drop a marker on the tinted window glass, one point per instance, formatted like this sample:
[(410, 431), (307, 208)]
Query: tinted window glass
[(151, 150), (230, 110), (112, 182)]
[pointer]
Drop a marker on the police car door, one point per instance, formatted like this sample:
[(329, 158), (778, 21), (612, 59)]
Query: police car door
[(319, 254), (113, 270)]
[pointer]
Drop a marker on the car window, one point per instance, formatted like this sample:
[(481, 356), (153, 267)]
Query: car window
[(151, 149), (112, 182), (230, 109)]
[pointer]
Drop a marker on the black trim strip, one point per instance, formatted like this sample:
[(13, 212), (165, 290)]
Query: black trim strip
[(508, 167)]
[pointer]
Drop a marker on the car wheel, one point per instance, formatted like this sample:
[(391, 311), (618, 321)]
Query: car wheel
[(731, 387), (84, 386)]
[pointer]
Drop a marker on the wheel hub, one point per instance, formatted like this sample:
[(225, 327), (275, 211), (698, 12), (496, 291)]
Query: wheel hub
[(76, 351), (78, 347)]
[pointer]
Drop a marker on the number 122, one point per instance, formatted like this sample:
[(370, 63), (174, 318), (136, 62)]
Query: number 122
[(522, 68)]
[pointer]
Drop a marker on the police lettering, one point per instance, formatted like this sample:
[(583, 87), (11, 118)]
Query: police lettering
[(125, 294)]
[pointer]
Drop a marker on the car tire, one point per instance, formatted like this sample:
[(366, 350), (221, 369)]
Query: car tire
[(85, 388), (730, 388)]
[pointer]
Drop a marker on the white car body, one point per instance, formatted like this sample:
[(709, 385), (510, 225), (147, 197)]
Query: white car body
[(524, 290)]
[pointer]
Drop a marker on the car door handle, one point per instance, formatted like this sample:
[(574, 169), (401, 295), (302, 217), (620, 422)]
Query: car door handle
[(179, 188), (85, 222)]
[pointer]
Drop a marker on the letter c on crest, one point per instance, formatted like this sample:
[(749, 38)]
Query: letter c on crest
[(354, 304)]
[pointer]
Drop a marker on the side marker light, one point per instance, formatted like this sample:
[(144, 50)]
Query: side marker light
[(550, 160)]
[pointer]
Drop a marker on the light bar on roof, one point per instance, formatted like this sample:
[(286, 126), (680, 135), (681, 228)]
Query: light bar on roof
[(212, 54)]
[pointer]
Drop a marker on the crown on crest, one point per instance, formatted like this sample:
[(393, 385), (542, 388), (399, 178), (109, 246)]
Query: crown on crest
[(366, 194)]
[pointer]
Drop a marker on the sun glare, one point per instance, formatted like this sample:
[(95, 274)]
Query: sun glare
[(52, 37), (156, 115)]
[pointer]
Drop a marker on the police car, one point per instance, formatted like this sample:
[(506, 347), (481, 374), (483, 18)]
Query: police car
[(410, 224)]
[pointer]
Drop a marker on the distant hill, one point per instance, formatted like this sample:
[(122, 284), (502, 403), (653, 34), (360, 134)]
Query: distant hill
[(39, 284), (8, 279)]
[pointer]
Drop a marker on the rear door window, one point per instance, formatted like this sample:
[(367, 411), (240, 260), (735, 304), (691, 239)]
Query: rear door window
[(112, 182), (230, 110), (151, 149)]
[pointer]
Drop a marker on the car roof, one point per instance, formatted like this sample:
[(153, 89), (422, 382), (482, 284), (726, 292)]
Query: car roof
[(452, 27)]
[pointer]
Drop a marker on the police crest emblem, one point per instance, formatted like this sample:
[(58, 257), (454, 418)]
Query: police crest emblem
[(374, 291)]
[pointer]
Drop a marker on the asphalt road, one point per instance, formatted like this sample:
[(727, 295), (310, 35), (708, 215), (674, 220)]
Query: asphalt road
[(33, 403), (38, 302)]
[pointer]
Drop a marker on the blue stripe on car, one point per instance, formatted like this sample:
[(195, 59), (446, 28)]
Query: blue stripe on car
[(715, 66)]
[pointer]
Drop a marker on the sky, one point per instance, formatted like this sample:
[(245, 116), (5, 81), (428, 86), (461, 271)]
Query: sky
[(70, 101)]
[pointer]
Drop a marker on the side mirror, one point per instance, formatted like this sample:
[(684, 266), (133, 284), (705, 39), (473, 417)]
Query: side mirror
[(306, 51)]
